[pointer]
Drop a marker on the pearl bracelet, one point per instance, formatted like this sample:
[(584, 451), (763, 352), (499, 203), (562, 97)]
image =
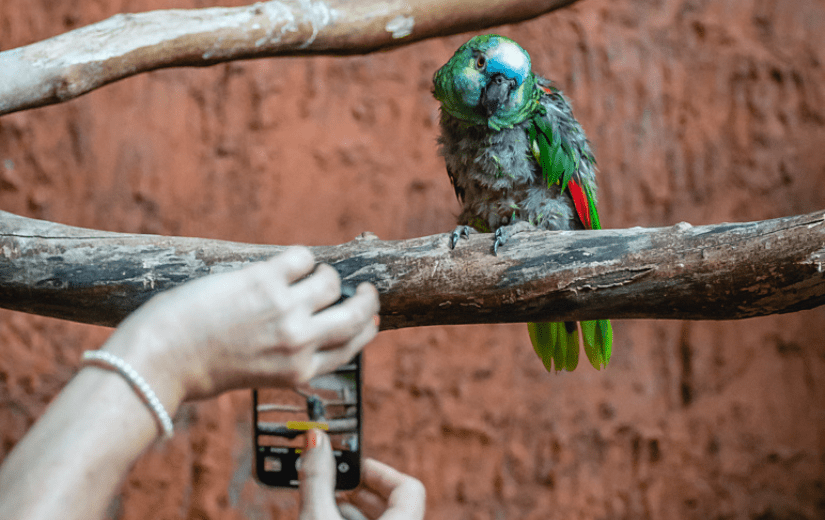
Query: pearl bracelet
[(139, 385)]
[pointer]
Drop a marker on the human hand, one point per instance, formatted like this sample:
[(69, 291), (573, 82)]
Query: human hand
[(385, 493), (265, 325)]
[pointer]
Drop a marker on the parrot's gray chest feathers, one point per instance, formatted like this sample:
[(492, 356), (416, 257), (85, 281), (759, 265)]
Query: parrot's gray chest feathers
[(497, 179)]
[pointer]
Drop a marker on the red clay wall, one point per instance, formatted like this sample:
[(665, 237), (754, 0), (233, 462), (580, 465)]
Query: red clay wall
[(698, 111)]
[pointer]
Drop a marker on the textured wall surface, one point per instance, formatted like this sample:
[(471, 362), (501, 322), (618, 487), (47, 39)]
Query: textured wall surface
[(699, 111)]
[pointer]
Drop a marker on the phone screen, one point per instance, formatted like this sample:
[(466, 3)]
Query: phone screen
[(281, 417)]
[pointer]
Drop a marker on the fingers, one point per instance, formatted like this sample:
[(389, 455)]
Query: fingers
[(270, 323), (317, 485), (387, 490), (381, 478), (350, 512), (344, 321), (294, 263), (309, 284), (320, 289), (386, 493), (319, 285), (350, 327)]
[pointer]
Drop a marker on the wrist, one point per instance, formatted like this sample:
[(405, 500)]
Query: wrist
[(109, 361), (149, 351)]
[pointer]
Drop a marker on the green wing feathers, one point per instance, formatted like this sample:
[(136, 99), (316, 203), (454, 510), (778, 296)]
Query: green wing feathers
[(595, 223), (556, 346), (558, 159)]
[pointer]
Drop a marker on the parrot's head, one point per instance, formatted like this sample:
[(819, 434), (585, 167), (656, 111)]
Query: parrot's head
[(488, 82)]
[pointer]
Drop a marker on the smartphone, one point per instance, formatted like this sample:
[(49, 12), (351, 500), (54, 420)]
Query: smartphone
[(281, 418)]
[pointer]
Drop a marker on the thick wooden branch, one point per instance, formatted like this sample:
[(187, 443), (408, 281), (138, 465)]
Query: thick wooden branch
[(71, 64), (723, 271)]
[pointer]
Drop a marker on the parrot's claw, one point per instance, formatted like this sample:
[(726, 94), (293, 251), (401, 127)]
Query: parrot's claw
[(501, 239), (459, 233), (504, 233)]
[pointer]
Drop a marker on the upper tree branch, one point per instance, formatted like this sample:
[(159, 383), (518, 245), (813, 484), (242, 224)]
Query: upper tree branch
[(723, 271), (71, 64)]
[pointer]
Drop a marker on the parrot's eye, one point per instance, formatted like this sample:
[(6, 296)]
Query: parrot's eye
[(481, 61)]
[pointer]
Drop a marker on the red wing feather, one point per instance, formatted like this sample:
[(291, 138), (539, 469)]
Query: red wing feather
[(580, 201)]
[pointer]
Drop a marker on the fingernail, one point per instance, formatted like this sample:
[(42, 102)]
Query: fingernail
[(377, 319), (311, 440)]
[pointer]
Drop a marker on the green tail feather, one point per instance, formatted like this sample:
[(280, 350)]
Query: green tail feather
[(556, 346)]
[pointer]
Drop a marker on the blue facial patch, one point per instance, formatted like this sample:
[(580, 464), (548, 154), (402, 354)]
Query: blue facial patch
[(509, 59)]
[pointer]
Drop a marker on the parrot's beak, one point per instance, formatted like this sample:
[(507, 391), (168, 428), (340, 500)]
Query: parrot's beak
[(496, 93)]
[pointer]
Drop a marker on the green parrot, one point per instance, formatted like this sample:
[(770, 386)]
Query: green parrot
[(518, 159)]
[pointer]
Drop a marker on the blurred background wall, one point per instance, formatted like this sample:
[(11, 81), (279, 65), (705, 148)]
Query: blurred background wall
[(699, 111)]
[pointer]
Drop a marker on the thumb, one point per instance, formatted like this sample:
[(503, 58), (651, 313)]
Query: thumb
[(317, 484)]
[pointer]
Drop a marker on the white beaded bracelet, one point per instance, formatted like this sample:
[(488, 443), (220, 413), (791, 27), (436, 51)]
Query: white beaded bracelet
[(141, 387)]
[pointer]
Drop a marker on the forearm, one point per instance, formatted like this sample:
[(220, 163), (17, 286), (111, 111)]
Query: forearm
[(73, 459)]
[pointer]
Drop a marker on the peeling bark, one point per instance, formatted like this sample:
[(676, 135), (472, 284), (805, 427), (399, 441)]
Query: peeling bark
[(74, 63), (715, 272)]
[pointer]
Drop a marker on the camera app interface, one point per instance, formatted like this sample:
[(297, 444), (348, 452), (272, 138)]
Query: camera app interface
[(328, 402)]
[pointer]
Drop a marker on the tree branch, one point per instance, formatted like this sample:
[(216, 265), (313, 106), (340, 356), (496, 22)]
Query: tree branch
[(71, 64), (716, 272)]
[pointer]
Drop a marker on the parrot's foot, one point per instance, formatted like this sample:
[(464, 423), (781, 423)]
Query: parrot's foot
[(459, 233), (504, 233)]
